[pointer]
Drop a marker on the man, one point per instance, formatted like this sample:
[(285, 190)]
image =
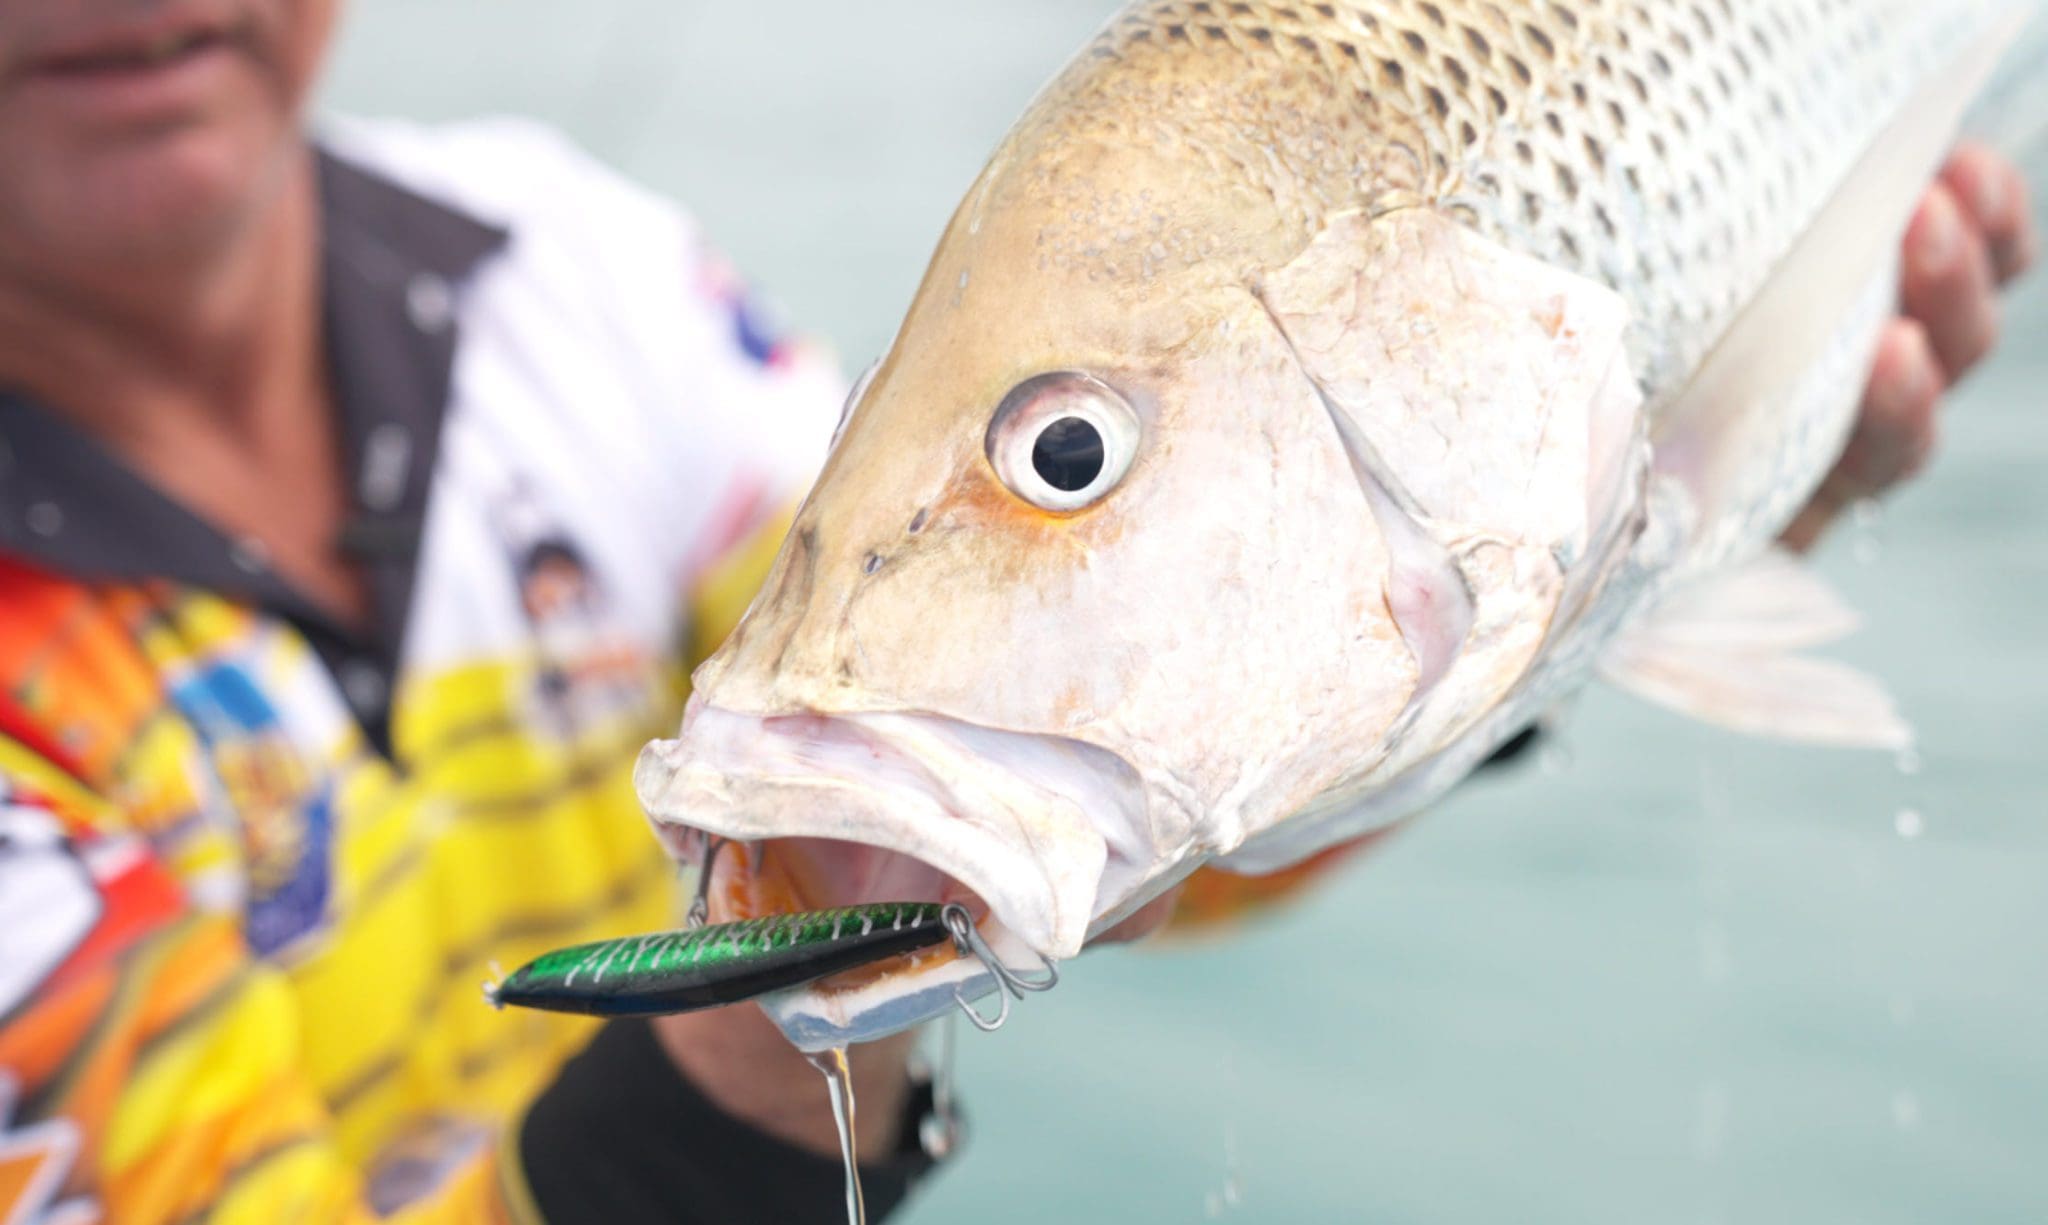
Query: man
[(350, 501), (361, 507)]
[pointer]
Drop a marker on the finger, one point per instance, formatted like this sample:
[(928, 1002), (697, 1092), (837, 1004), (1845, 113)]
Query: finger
[(1895, 435), (1993, 195), (1947, 284), (1813, 522), (1897, 430)]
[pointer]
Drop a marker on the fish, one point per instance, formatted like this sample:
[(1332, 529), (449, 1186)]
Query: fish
[(1304, 400)]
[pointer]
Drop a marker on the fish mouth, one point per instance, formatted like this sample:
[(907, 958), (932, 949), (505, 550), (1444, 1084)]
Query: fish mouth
[(1040, 837)]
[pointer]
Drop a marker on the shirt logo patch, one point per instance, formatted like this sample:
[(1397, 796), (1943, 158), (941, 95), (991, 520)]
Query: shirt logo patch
[(418, 1163), (285, 814), (588, 670)]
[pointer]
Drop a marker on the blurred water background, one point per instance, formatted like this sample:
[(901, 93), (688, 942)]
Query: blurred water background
[(1667, 975)]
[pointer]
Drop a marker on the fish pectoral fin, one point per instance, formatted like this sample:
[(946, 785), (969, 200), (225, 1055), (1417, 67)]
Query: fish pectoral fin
[(1724, 651)]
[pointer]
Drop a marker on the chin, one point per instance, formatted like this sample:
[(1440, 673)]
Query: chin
[(192, 188), (160, 196)]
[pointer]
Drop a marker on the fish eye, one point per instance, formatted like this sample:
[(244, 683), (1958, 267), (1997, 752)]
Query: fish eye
[(1068, 454), (1061, 441)]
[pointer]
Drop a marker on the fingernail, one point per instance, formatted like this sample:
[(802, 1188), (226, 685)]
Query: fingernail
[(1938, 232), (1922, 381)]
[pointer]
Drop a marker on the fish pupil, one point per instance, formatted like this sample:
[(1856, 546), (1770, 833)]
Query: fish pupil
[(1068, 454)]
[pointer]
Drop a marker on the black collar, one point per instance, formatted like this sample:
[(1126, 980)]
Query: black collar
[(393, 267)]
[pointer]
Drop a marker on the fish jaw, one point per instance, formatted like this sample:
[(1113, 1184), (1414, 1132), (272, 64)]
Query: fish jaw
[(1040, 837)]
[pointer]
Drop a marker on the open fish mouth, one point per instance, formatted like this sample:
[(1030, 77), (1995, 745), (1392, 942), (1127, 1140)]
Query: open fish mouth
[(1038, 836)]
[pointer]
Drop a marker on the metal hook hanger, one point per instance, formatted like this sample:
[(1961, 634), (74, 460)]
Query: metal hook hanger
[(968, 940), (700, 902)]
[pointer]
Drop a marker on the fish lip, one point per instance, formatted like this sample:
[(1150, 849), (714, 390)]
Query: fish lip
[(1011, 818), (1007, 815)]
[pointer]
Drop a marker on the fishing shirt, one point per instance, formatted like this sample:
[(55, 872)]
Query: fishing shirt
[(255, 865)]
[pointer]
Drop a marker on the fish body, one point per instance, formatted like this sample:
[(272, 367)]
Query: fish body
[(1304, 399)]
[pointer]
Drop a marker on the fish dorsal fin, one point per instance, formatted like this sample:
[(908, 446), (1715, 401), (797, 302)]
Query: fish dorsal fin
[(1743, 401), (1723, 650)]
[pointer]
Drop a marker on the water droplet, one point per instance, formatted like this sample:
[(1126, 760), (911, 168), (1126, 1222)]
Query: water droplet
[(1909, 823), (1717, 960), (1710, 1133), (1216, 1203), (1866, 516), (1905, 1110), (1714, 889), (839, 1082), (941, 1130), (1556, 758), (1908, 762), (1713, 793)]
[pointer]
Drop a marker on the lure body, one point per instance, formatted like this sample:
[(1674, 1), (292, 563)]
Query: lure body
[(683, 971)]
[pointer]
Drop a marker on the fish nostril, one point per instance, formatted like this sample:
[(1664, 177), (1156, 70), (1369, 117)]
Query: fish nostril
[(917, 521), (872, 564)]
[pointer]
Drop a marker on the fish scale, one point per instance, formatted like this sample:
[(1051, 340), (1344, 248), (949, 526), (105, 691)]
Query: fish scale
[(1670, 151)]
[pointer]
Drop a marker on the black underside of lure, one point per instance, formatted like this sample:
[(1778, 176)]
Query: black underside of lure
[(707, 967)]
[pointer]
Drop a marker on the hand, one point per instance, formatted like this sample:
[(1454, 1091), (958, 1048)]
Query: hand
[(737, 1058), (1973, 234)]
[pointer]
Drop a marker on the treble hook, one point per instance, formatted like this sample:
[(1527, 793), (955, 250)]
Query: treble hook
[(974, 1016), (968, 941)]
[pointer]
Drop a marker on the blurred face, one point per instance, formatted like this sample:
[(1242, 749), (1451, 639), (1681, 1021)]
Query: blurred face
[(133, 129)]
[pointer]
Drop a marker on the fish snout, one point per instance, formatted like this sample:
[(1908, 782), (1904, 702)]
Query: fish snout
[(1038, 831)]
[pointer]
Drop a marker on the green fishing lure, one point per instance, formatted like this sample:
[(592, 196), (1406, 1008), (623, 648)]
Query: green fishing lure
[(706, 967)]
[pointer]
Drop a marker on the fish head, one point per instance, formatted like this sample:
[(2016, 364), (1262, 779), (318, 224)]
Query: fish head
[(1091, 590)]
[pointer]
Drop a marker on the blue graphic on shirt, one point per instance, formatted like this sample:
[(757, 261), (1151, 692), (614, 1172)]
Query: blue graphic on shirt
[(756, 330), (282, 810)]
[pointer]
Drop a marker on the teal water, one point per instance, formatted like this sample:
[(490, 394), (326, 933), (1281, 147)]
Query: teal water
[(1674, 976)]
